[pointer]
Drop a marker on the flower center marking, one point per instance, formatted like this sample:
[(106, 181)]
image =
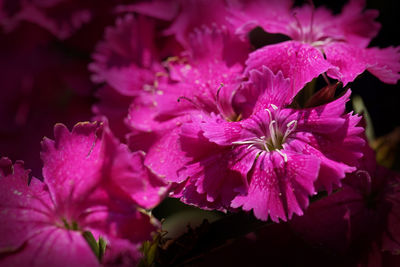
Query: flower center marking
[(274, 139)]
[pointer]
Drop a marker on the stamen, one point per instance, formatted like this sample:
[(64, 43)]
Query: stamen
[(273, 139), (274, 107), (282, 154), (291, 126), (260, 142), (218, 90), (265, 146), (250, 141), (270, 114), (189, 100), (318, 44), (227, 112), (263, 142), (272, 131), (291, 123)]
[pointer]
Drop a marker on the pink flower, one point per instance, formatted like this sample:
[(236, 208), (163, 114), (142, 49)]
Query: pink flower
[(127, 58), (128, 61), (204, 79), (91, 183), (270, 162), (342, 39)]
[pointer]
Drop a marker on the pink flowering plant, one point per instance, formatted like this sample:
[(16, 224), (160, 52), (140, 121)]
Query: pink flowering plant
[(183, 132)]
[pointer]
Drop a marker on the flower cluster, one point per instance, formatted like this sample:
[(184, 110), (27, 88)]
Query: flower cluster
[(186, 105)]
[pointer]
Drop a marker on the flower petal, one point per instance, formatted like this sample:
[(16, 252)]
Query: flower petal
[(326, 118), (301, 62), (126, 58), (72, 162), (358, 25), (166, 158), (54, 246), (221, 175), (262, 90), (279, 189), (24, 210), (352, 61)]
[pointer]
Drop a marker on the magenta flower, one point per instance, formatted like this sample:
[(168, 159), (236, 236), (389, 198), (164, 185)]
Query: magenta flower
[(30, 227), (128, 61), (320, 37), (204, 80), (91, 183), (270, 162)]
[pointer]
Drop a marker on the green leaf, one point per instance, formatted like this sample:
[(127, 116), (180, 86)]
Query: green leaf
[(360, 108), (149, 250), (98, 247), (151, 253), (92, 242), (102, 247)]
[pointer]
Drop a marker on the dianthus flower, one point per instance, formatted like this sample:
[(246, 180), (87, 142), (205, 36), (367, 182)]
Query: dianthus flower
[(127, 58), (319, 36), (269, 162), (215, 60), (92, 186), (128, 62)]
